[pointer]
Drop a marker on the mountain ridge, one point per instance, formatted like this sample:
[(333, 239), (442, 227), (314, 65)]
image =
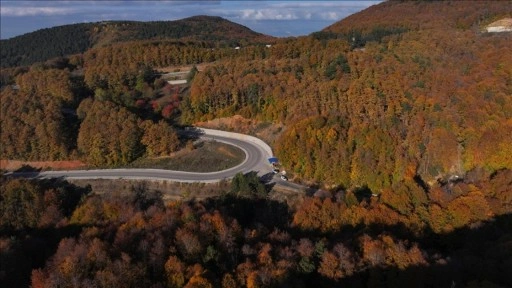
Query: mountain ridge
[(59, 41)]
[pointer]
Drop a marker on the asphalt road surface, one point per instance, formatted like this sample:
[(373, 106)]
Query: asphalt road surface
[(256, 160)]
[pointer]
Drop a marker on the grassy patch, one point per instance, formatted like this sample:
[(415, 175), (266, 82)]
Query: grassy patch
[(209, 156)]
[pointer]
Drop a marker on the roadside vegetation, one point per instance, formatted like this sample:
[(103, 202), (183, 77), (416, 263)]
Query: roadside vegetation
[(206, 156)]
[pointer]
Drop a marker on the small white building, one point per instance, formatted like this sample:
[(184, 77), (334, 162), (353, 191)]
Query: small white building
[(177, 82), (503, 25)]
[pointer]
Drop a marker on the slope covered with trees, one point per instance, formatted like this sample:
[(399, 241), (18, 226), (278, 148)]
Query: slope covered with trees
[(66, 40), (51, 239), (52, 114), (386, 103), (33, 123), (379, 103), (50, 102)]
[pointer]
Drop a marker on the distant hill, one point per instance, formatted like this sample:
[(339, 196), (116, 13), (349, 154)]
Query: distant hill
[(64, 40), (394, 17), (421, 15)]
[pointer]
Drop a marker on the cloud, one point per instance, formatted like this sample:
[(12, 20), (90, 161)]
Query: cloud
[(324, 4), (334, 16), (273, 17), (35, 11), (266, 14), (56, 8), (295, 10)]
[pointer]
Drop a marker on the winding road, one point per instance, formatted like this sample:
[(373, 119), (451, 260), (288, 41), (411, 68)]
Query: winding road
[(257, 153)]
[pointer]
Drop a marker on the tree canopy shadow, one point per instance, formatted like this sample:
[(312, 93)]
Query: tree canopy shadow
[(477, 256), (31, 244), (249, 211)]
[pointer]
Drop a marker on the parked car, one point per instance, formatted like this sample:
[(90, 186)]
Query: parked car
[(283, 177), (275, 170)]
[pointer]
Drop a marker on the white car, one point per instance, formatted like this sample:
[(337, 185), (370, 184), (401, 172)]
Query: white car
[(284, 178)]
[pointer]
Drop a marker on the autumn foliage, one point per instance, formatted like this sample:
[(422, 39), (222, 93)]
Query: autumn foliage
[(72, 236), (378, 96), (371, 101), (402, 111)]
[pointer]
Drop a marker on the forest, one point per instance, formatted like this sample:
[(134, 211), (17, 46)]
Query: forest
[(402, 112), (428, 101), (56, 234), (60, 41)]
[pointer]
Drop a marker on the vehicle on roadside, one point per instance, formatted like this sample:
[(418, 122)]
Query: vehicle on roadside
[(275, 170), (284, 178)]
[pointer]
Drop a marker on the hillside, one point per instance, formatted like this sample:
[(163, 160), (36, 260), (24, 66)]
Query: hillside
[(379, 99), (422, 15), (65, 40), (401, 114), (393, 102)]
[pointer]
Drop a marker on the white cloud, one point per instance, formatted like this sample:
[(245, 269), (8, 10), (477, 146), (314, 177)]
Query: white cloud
[(266, 14), (35, 11), (335, 16), (296, 10), (324, 4), (271, 16)]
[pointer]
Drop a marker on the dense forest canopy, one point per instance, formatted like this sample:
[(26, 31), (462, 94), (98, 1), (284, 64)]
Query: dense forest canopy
[(51, 114), (424, 15), (71, 39), (55, 234), (427, 100), (33, 123)]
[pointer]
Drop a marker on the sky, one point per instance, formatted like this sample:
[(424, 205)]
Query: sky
[(276, 18)]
